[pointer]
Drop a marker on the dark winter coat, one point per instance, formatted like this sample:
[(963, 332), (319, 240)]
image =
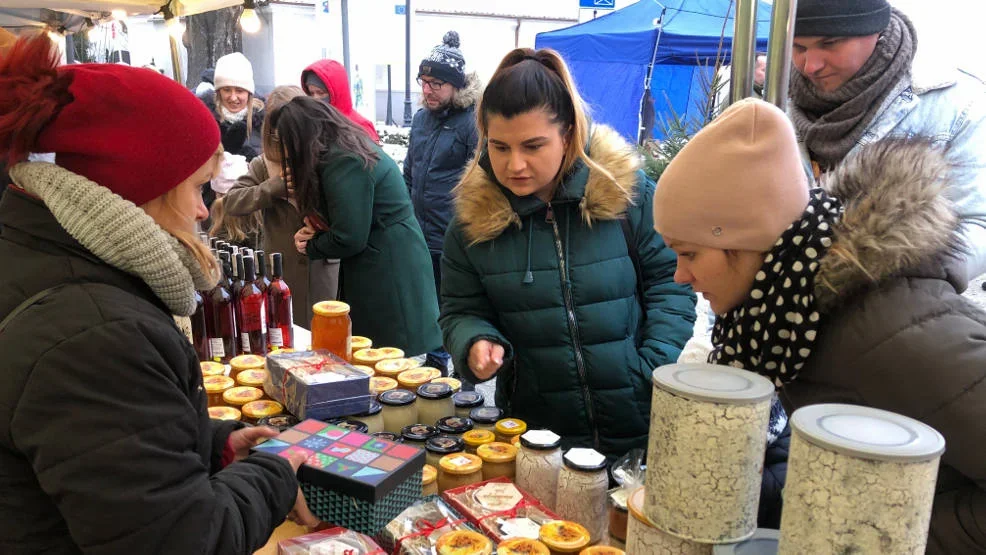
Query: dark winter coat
[(558, 290), (105, 443), (385, 266), (333, 75), (441, 144), (897, 334), (257, 191)]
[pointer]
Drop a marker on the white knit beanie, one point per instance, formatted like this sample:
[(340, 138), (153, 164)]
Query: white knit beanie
[(234, 70)]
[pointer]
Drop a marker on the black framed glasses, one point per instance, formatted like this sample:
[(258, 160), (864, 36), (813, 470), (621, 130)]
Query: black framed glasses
[(433, 84)]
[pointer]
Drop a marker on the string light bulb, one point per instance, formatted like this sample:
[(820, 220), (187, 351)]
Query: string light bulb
[(249, 21), (119, 15), (174, 25)]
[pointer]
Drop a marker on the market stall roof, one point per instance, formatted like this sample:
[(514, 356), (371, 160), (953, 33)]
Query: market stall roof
[(133, 7)]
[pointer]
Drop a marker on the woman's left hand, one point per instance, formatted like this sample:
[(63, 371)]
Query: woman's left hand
[(243, 439), (302, 237)]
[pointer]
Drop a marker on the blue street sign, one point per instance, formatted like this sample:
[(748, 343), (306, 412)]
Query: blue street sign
[(597, 4), (400, 9)]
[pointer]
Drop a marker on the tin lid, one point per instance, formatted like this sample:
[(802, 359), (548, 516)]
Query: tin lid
[(351, 425), (522, 546), (463, 542), (364, 369), (217, 384), (254, 377), (496, 452), (475, 438), (763, 542), (867, 433), (375, 408), (468, 399), (586, 460), (454, 425), (428, 475), (210, 368), (444, 444), (358, 342), (330, 308), (282, 421), (394, 366), (455, 384), (380, 384), (397, 397), (242, 395), (540, 440), (461, 463), (260, 409), (418, 432), (389, 436), (372, 356), (564, 535), (713, 383), (245, 362), (432, 391), (224, 413), (485, 415), (419, 376), (511, 427)]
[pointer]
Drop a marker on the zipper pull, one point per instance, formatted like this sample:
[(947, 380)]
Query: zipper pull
[(549, 216)]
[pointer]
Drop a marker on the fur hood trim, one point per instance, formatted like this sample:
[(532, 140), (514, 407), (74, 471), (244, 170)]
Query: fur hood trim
[(484, 210), (465, 97), (896, 218)]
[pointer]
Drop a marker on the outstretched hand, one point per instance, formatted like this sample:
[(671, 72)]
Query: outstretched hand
[(485, 358)]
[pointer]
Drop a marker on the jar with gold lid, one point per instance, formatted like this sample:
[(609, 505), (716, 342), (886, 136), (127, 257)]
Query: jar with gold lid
[(240, 363), (210, 368), (485, 418), (254, 377), (241, 395), (465, 401), (215, 387), (434, 402), (358, 343), (265, 408), (475, 438), (455, 384), (392, 367), (498, 460), (563, 536), (440, 445), (522, 546), (463, 542), (459, 469), (429, 481), (370, 357), (509, 428), (400, 409), (332, 328), (412, 379), (379, 384), (373, 417), (224, 413), (370, 372), (454, 425)]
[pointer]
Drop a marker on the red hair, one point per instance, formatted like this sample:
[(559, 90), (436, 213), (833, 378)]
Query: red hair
[(31, 94)]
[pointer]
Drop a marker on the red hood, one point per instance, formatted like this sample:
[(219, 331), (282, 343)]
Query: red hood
[(333, 74)]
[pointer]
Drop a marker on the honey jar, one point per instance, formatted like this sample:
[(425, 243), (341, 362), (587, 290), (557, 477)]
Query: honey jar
[(459, 469), (379, 384), (244, 362), (265, 408), (475, 438), (434, 402), (411, 380), (498, 460), (429, 481), (485, 418), (509, 428), (465, 401), (241, 395), (332, 329), (370, 357), (224, 413), (215, 386), (210, 368), (463, 542), (254, 377), (455, 384), (522, 546), (563, 536), (358, 343), (392, 367), (440, 445)]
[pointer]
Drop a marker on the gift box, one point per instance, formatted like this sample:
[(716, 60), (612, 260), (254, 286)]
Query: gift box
[(333, 541), (316, 384), (500, 509), (416, 530), (351, 479)]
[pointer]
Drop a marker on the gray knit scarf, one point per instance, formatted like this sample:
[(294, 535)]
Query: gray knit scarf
[(117, 232), (830, 124)]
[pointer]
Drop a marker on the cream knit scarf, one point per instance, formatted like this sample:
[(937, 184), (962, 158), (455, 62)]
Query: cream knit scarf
[(118, 232)]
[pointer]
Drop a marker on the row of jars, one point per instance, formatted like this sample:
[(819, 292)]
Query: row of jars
[(238, 396), (556, 537)]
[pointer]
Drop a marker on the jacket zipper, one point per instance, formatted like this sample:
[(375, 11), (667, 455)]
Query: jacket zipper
[(573, 325)]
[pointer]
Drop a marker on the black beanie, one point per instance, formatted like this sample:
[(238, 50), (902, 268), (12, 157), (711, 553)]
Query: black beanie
[(841, 18), (446, 62)]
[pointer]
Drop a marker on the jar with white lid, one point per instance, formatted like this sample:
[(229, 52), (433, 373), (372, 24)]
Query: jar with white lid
[(539, 460), (582, 489)]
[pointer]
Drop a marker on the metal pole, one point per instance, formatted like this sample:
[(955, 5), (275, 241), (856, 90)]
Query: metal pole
[(407, 63), (175, 58), (390, 100), (345, 37), (778, 75), (744, 51)]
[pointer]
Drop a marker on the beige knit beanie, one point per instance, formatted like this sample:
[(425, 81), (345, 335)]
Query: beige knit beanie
[(234, 70), (737, 185)]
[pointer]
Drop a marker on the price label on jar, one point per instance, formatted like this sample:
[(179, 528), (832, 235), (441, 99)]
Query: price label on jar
[(509, 424), (460, 461)]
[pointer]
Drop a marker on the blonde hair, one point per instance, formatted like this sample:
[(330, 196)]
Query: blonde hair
[(277, 98), (253, 104), (234, 228)]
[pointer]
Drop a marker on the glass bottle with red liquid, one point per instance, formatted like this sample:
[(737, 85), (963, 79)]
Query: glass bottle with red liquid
[(220, 318), (263, 279), (281, 331), (200, 338), (252, 312)]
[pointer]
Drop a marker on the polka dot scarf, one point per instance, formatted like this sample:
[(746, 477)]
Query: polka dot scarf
[(773, 331)]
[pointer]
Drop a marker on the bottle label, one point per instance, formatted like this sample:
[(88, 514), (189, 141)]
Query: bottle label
[(245, 342), (254, 317), (216, 347), (276, 337)]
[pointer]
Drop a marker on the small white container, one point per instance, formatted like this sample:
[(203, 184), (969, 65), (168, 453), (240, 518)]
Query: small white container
[(582, 489), (859, 480)]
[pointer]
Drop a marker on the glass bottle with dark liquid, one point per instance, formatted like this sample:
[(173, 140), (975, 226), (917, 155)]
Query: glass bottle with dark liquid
[(220, 321), (263, 279), (200, 338), (237, 282), (252, 312), (281, 312)]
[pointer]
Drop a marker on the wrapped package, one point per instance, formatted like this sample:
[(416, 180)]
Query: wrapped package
[(500, 509), (333, 541), (316, 384), (417, 529)]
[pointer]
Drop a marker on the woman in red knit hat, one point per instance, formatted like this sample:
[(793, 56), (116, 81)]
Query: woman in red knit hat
[(105, 442)]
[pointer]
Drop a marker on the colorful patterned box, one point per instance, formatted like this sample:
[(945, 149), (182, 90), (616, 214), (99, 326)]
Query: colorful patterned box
[(351, 479), (316, 384)]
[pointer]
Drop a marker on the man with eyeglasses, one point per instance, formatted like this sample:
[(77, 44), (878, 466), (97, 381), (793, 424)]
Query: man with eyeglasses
[(443, 138)]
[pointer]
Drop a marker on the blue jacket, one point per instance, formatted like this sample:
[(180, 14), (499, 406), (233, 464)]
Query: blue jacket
[(440, 147)]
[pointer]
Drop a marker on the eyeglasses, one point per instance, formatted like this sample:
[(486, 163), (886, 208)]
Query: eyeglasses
[(433, 84)]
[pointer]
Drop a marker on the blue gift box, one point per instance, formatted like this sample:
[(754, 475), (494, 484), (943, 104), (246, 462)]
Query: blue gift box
[(316, 384)]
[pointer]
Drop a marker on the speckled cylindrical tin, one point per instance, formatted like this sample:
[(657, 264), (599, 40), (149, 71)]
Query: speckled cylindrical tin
[(646, 539), (859, 480), (708, 433)]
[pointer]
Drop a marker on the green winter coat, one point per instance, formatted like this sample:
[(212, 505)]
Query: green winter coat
[(386, 273), (561, 297)]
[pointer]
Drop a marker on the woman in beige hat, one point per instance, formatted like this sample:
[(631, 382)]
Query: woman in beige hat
[(850, 293)]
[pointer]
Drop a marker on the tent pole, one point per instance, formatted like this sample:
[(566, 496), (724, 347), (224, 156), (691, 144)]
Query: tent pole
[(650, 72), (779, 52), (744, 51), (175, 58)]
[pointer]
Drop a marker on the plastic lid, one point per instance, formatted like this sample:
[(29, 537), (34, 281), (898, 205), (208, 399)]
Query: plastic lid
[(375, 408), (254, 377), (418, 432), (635, 504), (522, 546), (454, 425), (281, 422), (260, 409), (330, 308), (418, 376), (394, 366), (468, 399), (432, 391), (389, 436), (475, 438), (210, 368), (242, 395), (586, 460), (463, 542), (496, 452), (564, 535), (397, 397), (351, 425), (511, 427), (455, 384), (461, 463), (364, 369), (380, 384), (763, 542), (428, 475), (713, 383), (372, 356), (541, 440), (486, 415), (358, 342), (244, 362), (444, 444), (217, 384), (867, 433), (224, 413)]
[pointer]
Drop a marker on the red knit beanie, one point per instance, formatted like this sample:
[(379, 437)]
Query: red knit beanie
[(131, 130)]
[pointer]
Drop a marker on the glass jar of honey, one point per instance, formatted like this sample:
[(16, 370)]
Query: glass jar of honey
[(358, 342), (438, 446), (392, 367), (370, 372), (485, 418), (417, 435), (255, 410), (240, 363), (463, 542), (215, 386), (455, 384), (522, 546), (563, 536), (411, 380), (434, 402), (238, 396), (210, 368), (454, 425), (459, 469), (498, 460), (465, 401), (509, 428), (370, 357), (373, 417), (332, 328), (224, 413), (399, 409), (379, 384), (429, 481), (475, 438), (254, 377)]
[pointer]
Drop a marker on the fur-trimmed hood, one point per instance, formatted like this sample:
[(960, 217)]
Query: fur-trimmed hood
[(897, 222), (485, 208), (466, 97)]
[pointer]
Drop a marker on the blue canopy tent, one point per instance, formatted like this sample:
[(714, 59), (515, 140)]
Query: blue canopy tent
[(610, 57)]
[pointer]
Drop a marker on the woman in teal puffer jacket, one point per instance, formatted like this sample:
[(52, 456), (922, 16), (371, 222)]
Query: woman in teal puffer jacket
[(540, 283)]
